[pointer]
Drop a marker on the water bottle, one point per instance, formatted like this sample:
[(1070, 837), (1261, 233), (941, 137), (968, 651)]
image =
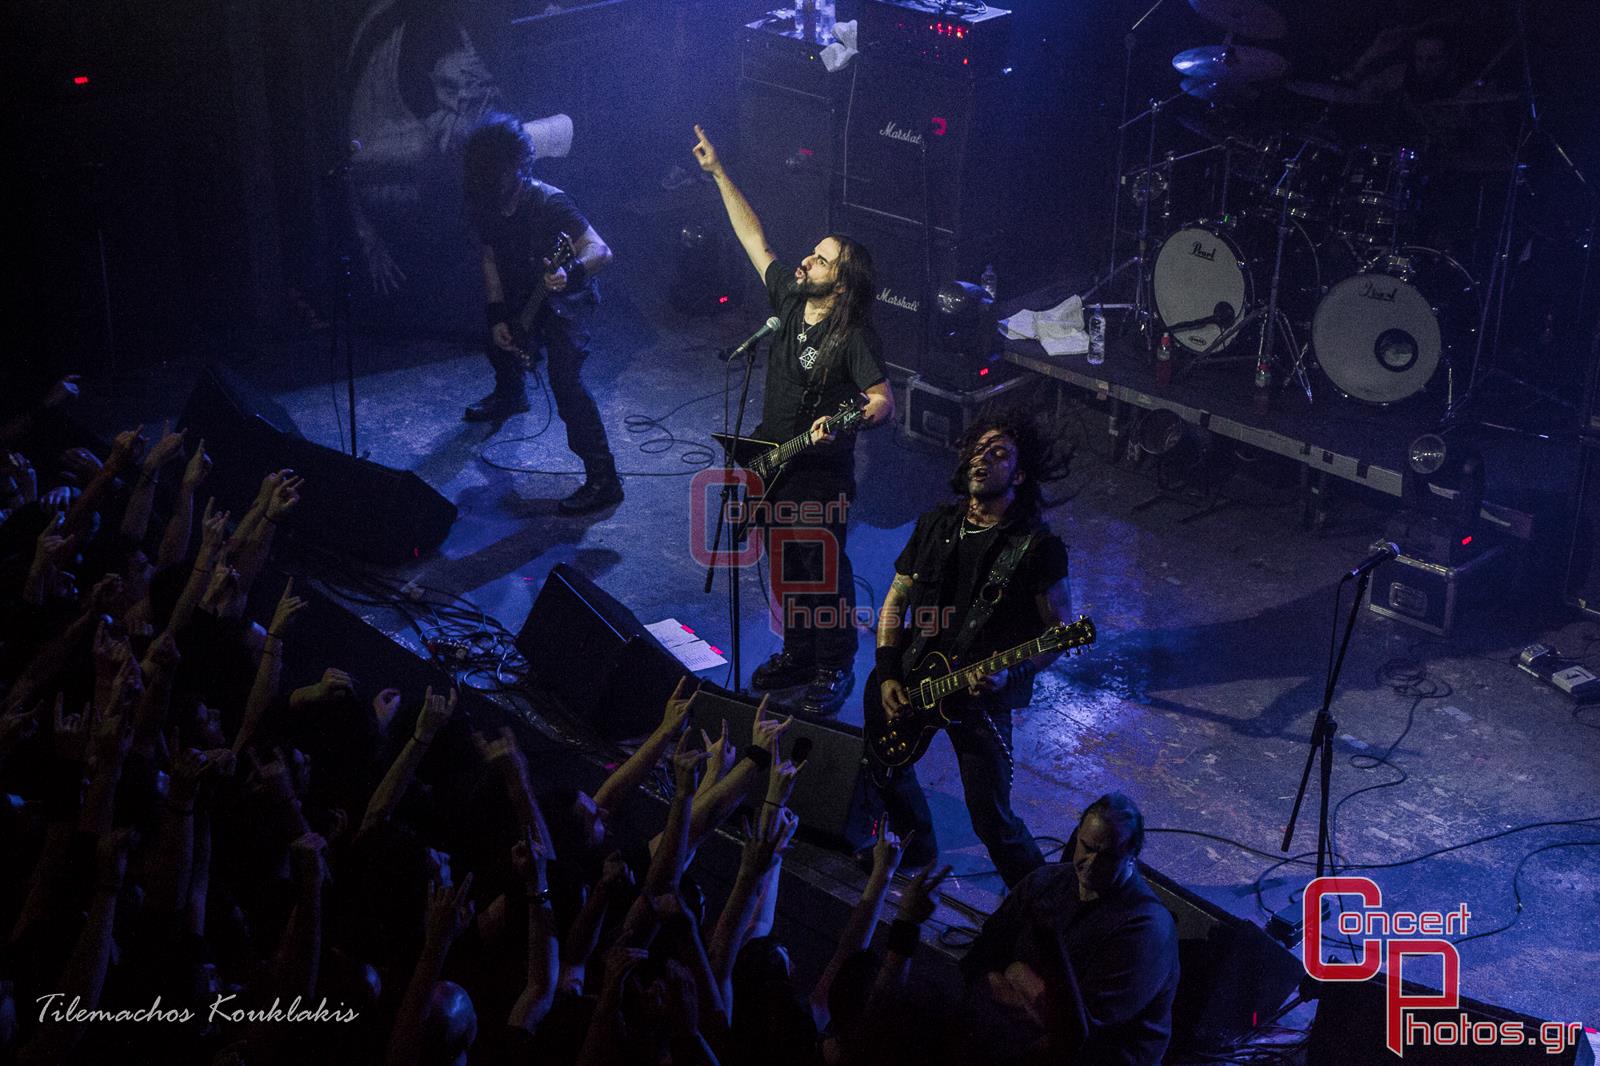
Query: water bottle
[(1097, 336), (990, 281), (1164, 361)]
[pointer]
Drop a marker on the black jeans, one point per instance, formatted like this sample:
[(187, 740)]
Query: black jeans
[(805, 534), (982, 743), (564, 339)]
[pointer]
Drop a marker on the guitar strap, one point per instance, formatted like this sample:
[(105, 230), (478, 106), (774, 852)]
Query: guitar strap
[(984, 602)]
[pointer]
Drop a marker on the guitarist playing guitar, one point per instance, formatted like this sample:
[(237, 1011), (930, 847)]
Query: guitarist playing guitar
[(824, 352), (539, 257), (978, 577)]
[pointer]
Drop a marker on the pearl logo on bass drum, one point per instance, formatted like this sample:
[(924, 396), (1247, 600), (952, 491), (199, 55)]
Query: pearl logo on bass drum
[(1199, 252), (1374, 290)]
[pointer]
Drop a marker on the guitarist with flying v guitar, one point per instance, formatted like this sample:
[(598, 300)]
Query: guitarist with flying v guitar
[(981, 576), (539, 258)]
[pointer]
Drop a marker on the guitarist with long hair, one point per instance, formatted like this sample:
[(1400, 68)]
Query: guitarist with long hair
[(539, 258), (978, 576), (825, 352)]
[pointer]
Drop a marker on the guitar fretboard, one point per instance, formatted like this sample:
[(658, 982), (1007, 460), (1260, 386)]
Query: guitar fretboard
[(931, 692)]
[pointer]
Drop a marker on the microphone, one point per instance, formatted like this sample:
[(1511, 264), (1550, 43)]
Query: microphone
[(769, 326), (1390, 550), (1221, 315)]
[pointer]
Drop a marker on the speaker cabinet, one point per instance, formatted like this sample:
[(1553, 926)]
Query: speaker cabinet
[(596, 656), (1232, 974), (926, 143), (347, 505), (788, 137), (833, 796)]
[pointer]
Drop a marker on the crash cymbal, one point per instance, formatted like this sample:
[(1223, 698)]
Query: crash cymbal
[(1231, 62), (1217, 91), (1328, 92), (1248, 18)]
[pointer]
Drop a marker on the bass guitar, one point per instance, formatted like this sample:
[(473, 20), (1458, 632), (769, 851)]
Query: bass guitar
[(936, 685), (561, 255)]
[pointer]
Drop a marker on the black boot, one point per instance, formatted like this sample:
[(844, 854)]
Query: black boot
[(782, 670), (496, 407), (597, 492), (827, 691)]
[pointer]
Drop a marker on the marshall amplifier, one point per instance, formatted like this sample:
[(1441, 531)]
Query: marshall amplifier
[(903, 297), (921, 143)]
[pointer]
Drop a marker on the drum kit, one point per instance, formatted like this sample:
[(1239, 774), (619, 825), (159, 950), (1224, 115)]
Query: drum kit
[(1293, 247)]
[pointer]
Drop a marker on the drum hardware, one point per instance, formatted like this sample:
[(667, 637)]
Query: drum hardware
[(1230, 62)]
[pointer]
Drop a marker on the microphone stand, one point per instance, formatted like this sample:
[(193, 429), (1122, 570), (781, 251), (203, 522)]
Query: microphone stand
[(342, 329), (1129, 42), (735, 532), (1322, 734)]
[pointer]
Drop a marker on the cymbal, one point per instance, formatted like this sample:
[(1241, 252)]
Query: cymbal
[(1217, 91), (1231, 62), (1248, 18), (1329, 92)]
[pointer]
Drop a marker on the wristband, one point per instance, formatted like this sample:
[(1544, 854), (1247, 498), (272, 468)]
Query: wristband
[(758, 755), (496, 312), (889, 665), (904, 937), (577, 275)]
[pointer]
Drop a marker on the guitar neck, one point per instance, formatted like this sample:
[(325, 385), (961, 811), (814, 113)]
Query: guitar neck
[(968, 676)]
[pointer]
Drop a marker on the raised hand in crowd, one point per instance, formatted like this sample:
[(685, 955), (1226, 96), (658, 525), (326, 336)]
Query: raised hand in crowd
[(64, 391), (79, 465), (623, 783), (720, 757)]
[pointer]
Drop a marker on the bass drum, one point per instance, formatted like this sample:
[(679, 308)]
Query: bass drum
[(1213, 271), (1379, 336)]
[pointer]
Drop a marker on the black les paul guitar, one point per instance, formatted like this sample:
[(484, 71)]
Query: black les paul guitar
[(561, 255), (936, 687), (766, 459)]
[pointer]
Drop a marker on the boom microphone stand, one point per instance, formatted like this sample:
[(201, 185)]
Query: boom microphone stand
[(735, 532)]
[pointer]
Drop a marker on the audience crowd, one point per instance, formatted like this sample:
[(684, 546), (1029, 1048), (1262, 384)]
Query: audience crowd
[(204, 867)]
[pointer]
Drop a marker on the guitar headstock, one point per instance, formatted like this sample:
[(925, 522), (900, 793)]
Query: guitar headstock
[(1065, 636), (561, 252)]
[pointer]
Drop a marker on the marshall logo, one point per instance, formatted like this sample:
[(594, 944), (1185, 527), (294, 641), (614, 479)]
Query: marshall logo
[(887, 295), (1372, 290), (1209, 255), (897, 133)]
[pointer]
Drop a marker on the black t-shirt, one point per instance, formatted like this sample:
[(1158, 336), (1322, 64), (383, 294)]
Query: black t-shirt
[(523, 240), (794, 367), (966, 568)]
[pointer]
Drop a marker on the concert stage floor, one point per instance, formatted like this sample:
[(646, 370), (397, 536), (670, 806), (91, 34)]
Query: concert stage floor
[(1197, 699)]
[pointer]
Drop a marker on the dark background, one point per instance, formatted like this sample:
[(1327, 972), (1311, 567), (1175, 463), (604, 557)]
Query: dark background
[(179, 198)]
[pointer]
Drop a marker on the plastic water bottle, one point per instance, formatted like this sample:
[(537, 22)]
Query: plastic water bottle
[(1097, 336), (990, 281), (1164, 361)]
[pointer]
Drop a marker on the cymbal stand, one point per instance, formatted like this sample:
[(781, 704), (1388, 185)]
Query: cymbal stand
[(1129, 42)]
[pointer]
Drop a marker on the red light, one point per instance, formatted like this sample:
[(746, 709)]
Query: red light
[(722, 299), (984, 372), (939, 126), (964, 62), (1466, 540), (807, 151), (80, 79)]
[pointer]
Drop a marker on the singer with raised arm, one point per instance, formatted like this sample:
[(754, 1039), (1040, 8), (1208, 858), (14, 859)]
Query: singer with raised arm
[(824, 353)]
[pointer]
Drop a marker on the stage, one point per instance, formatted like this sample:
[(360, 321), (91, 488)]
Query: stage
[(1197, 698)]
